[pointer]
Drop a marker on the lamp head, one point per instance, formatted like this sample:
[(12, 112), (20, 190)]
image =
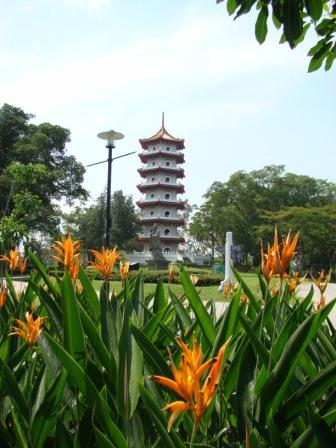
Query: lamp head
[(110, 136)]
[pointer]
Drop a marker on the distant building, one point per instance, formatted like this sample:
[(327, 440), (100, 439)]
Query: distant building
[(161, 188)]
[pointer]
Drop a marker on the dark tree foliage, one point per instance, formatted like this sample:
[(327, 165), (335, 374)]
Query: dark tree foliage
[(294, 18), (35, 170), (87, 224)]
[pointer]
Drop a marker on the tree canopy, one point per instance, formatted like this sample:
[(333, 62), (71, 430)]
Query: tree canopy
[(294, 18), (35, 171), (88, 223), (250, 204)]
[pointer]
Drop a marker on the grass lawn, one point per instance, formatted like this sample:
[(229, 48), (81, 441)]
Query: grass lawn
[(207, 292)]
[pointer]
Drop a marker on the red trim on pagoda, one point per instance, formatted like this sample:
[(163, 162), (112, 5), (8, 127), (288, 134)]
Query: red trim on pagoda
[(166, 203), (144, 156), (162, 220), (178, 187), (179, 172)]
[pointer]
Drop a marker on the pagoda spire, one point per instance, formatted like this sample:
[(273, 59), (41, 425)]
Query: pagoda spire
[(162, 120)]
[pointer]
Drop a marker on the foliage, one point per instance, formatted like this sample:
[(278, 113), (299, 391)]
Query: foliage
[(249, 204), (88, 223), (295, 18), (35, 170), (85, 382)]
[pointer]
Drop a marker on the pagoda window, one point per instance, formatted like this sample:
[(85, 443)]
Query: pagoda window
[(151, 213), (166, 250), (153, 163), (166, 213), (167, 163), (153, 179), (166, 231), (168, 148), (152, 196), (167, 179), (167, 196)]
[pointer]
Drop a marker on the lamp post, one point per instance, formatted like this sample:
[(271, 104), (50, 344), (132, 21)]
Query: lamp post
[(110, 137)]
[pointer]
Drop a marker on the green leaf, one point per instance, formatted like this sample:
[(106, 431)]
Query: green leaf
[(102, 440), (318, 58), (152, 355), (41, 269), (90, 392), (231, 6), (46, 415), (14, 391), (170, 439), (201, 314), (228, 323), (293, 23), (159, 298), (90, 293), (72, 326), (259, 348), (97, 344), (249, 293), (314, 8), (261, 25), (63, 438), (20, 433), (308, 393)]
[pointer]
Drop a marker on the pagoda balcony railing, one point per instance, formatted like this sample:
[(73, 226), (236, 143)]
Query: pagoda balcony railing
[(162, 219), (160, 167), (143, 202), (144, 236), (150, 185), (170, 154)]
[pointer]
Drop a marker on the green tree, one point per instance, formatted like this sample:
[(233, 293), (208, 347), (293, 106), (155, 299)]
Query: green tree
[(35, 170), (88, 223), (294, 18)]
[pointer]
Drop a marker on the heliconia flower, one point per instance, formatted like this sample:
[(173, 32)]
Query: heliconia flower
[(244, 298), (74, 269), (322, 282), (186, 382), (12, 259), (67, 250), (294, 281), (105, 261), (194, 279), (278, 257), (22, 264), (228, 290), (172, 273), (29, 331), (123, 269), (3, 294)]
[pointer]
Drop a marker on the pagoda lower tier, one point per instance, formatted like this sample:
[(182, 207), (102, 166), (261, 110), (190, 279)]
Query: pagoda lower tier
[(178, 205), (145, 186)]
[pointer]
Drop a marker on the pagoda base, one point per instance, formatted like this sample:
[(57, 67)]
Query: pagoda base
[(158, 265)]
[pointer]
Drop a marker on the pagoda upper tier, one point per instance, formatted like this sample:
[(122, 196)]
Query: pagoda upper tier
[(164, 136)]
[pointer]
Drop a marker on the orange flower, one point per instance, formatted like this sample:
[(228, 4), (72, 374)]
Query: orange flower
[(187, 378), (74, 269), (29, 331), (228, 290), (194, 279), (105, 261), (123, 269), (322, 282), (68, 252), (22, 263), (11, 259), (278, 256), (294, 281), (3, 294)]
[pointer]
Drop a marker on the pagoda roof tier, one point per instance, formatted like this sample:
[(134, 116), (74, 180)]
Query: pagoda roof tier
[(164, 202), (178, 187), (144, 171), (164, 136), (161, 220), (145, 155), (164, 239)]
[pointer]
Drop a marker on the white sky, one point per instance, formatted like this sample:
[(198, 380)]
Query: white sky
[(93, 65)]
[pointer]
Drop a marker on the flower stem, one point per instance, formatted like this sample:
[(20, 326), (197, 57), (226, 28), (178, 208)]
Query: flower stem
[(193, 434)]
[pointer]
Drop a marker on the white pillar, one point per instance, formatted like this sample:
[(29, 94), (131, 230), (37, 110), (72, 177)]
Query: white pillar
[(228, 277)]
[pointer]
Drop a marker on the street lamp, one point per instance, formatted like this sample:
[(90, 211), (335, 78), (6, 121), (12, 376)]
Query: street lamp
[(110, 137)]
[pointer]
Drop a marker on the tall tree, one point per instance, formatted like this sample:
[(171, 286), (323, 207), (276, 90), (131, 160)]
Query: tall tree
[(35, 170)]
